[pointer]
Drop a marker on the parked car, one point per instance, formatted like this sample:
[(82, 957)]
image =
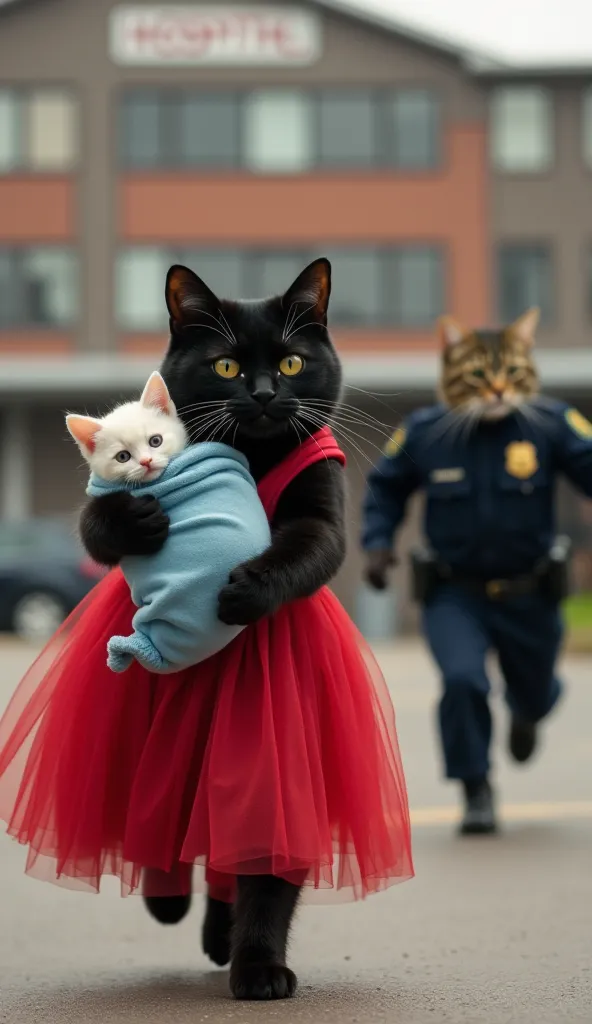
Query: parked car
[(44, 573)]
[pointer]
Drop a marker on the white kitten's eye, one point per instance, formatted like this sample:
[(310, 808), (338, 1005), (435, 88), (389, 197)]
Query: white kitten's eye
[(155, 441), (122, 456)]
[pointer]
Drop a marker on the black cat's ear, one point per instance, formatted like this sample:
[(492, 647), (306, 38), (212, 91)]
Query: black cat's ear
[(312, 288), (186, 294)]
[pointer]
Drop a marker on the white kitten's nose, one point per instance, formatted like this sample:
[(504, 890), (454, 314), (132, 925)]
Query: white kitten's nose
[(146, 462)]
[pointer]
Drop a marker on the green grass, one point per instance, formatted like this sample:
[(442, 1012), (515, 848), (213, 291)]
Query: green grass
[(578, 612)]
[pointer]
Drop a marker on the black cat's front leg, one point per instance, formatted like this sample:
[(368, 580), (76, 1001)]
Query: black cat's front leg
[(119, 524), (263, 914), (307, 549)]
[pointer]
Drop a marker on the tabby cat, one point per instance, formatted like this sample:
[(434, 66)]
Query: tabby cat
[(488, 372), (485, 375)]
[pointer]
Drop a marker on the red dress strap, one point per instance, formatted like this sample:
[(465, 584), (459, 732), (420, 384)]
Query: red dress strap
[(321, 445)]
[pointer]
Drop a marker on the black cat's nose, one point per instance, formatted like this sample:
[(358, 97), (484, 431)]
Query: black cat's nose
[(264, 392)]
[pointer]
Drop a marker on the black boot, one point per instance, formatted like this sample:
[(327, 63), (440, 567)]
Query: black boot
[(523, 739), (479, 816)]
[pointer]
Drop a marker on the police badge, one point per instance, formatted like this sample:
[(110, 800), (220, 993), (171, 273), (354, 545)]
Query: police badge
[(521, 459)]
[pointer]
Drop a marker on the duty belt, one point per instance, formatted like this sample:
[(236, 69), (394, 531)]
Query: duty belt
[(496, 589)]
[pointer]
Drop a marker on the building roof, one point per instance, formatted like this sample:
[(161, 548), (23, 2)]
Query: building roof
[(356, 10), (476, 60)]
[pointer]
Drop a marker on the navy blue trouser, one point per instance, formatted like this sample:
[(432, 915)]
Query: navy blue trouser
[(461, 628)]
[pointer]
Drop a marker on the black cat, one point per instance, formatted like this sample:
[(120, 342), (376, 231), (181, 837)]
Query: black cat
[(260, 376)]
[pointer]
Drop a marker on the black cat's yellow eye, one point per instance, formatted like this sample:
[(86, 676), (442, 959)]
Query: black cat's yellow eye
[(479, 374), (227, 368), (291, 366)]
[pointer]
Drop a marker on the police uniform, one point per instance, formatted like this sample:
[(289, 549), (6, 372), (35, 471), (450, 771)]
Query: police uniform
[(489, 518)]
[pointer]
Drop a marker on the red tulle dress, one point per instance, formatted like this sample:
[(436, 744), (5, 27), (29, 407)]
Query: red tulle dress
[(276, 756)]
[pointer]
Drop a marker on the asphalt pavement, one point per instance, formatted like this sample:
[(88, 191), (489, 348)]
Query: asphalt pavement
[(491, 931)]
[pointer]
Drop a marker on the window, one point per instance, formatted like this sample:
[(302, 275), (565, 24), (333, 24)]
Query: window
[(10, 144), (274, 272), (141, 138), (38, 130), (381, 287), (223, 270), (521, 129), (38, 287), (524, 279), (414, 122), (51, 131), (208, 131), (417, 295), (348, 130), (139, 292), (278, 132), (586, 126), (356, 287)]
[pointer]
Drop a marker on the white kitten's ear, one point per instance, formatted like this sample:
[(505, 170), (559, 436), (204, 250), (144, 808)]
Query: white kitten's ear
[(156, 395), (450, 331), (525, 326), (84, 430)]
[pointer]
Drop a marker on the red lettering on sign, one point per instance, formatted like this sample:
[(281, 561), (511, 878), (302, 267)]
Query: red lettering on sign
[(231, 35)]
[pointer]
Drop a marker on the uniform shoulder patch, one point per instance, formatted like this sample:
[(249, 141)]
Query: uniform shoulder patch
[(395, 443), (578, 423)]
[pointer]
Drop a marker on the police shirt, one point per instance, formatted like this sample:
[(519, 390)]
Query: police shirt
[(489, 491)]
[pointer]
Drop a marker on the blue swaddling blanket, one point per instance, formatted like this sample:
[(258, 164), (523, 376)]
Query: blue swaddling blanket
[(216, 522)]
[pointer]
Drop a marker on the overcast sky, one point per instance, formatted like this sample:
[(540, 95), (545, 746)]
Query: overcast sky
[(522, 31)]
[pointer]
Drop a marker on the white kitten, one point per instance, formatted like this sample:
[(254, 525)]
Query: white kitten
[(135, 443)]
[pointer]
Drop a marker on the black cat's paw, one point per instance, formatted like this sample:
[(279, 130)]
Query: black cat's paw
[(247, 598), (262, 981), (216, 932), (168, 909), (117, 525), (146, 527)]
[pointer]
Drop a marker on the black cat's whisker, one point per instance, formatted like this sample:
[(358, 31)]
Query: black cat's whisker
[(195, 406), (302, 327), (203, 428), (304, 427), (202, 417), (335, 420), (292, 320), (375, 396), (226, 420), (227, 427), (338, 430), (345, 406), (215, 407), (358, 466), (296, 317), (208, 327), (212, 435), (231, 333), (353, 421), (227, 333), (294, 424), (213, 418), (345, 417), (288, 323)]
